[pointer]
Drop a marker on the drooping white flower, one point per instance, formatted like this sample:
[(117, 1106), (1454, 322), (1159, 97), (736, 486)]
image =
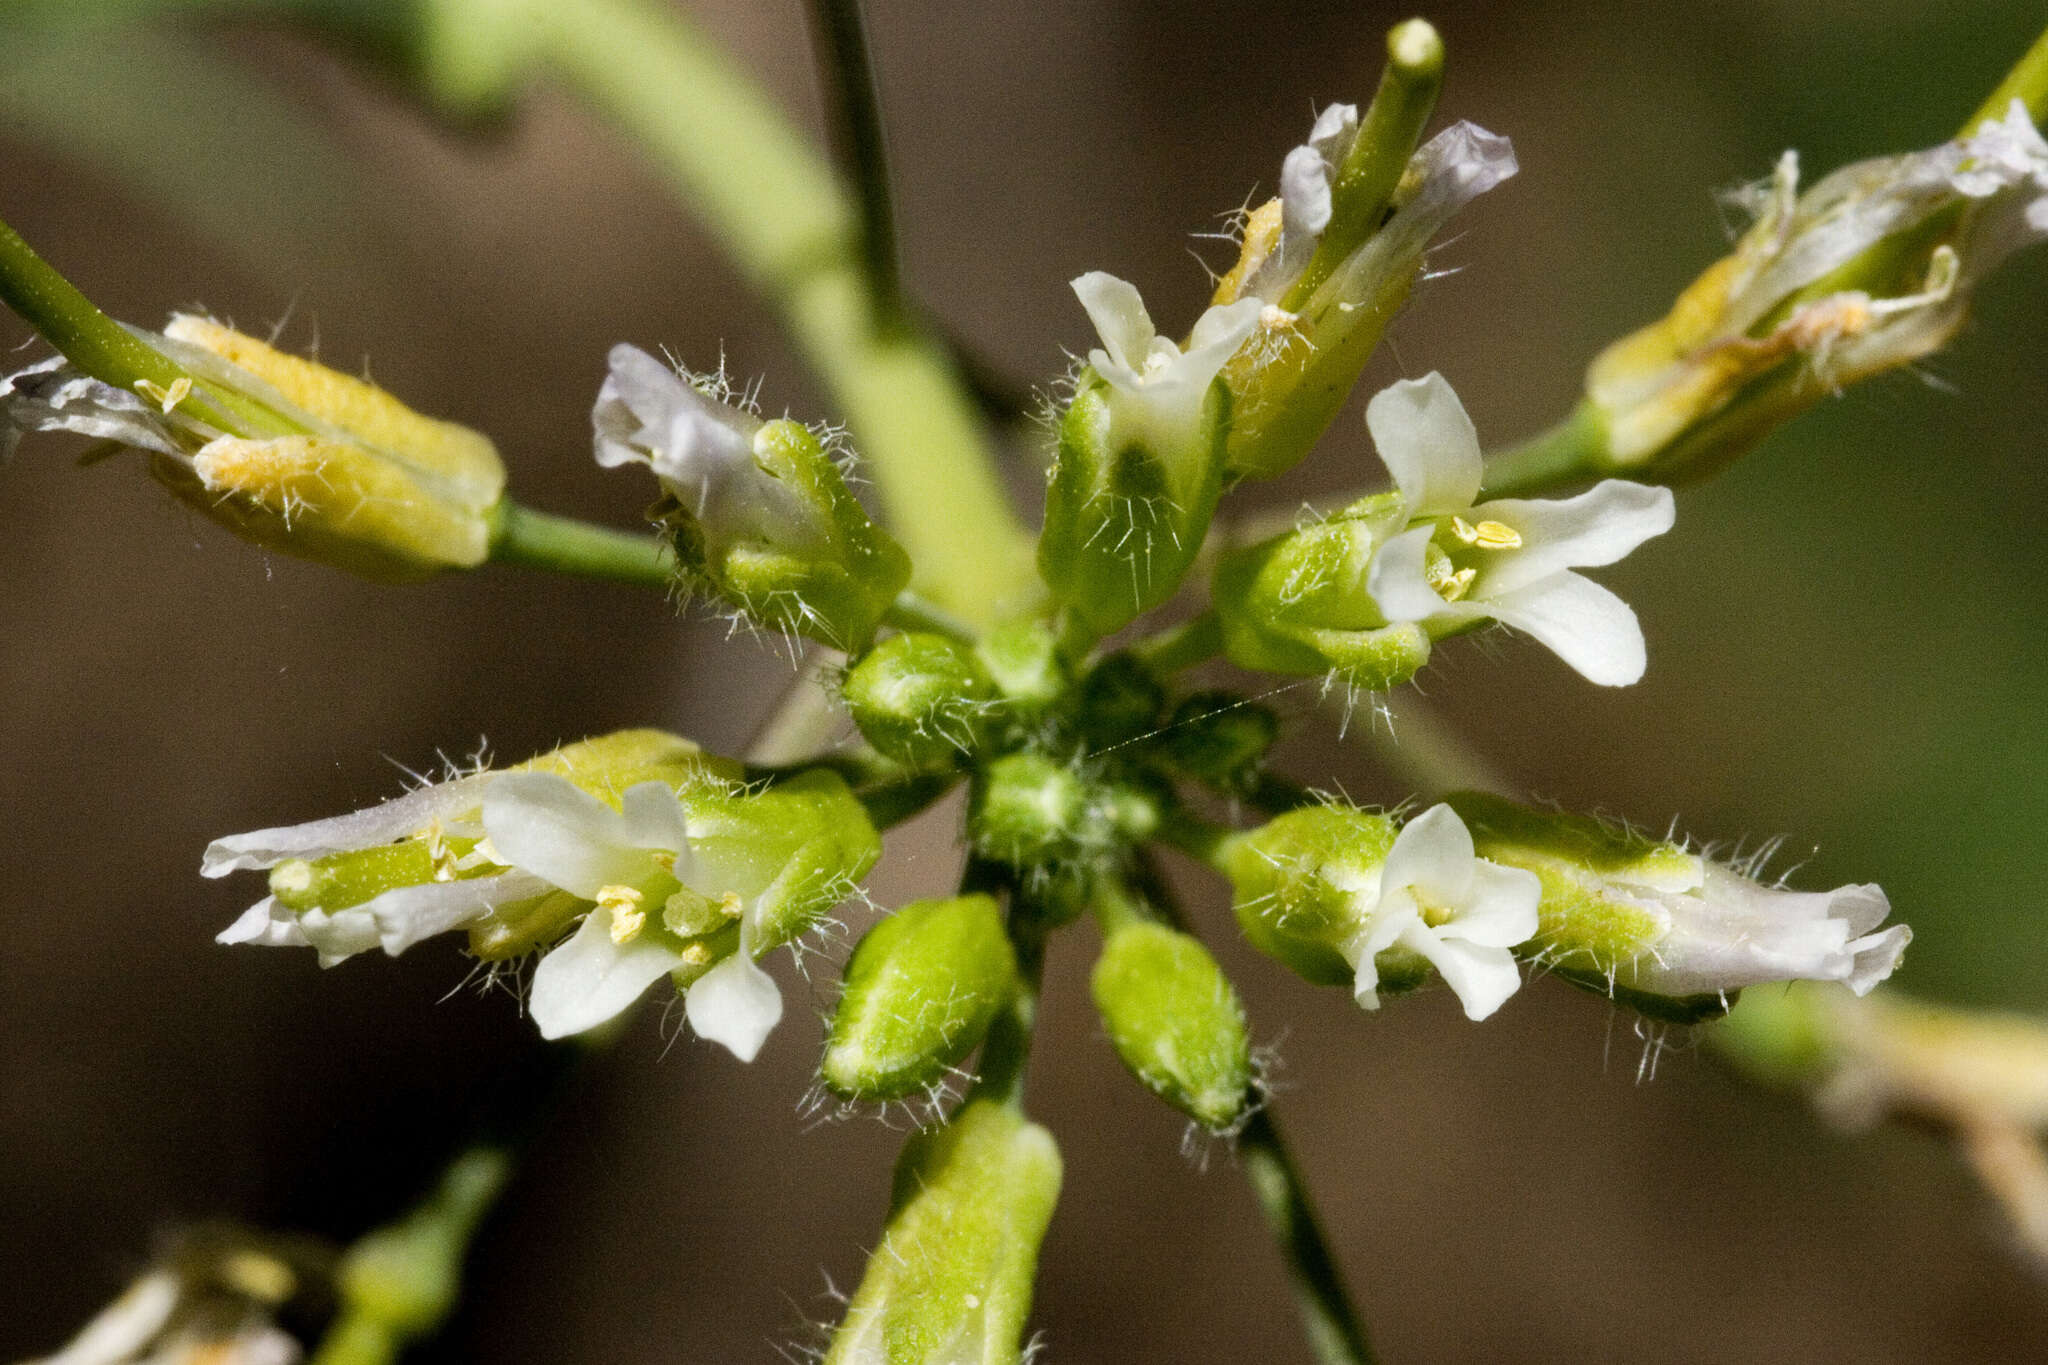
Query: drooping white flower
[(633, 864), (1511, 559), (1726, 931), (1159, 386), (1463, 914)]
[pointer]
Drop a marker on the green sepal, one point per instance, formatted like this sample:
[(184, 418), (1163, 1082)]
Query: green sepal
[(1290, 879), (922, 699), (951, 1281), (921, 989), (1175, 1020), (830, 578), (794, 851), (1297, 603), (1023, 657), (1124, 522)]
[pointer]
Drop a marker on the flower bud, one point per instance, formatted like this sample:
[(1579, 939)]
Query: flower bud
[(1669, 932), (921, 989), (952, 1278), (1140, 459), (286, 452), (1870, 269), (921, 699), (1219, 738), (1298, 603), (1024, 659), (1032, 811), (1175, 1021), (1294, 880), (760, 514)]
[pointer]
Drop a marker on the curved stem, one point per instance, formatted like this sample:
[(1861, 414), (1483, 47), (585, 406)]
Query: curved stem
[(1007, 1050), (2027, 82), (542, 540), (1571, 452), (911, 611), (848, 73)]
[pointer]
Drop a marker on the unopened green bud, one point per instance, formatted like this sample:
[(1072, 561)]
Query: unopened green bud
[(1033, 811), (1298, 603), (283, 451), (403, 1277), (1024, 659), (1671, 933), (1118, 702), (951, 1282), (1140, 459), (920, 992), (761, 515), (1175, 1021), (921, 699), (1219, 738), (1297, 883)]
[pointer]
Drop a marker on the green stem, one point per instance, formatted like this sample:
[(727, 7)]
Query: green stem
[(109, 352), (542, 540), (858, 140), (1571, 452), (1335, 1333), (1006, 1052), (2026, 82), (1194, 641), (913, 612), (789, 228)]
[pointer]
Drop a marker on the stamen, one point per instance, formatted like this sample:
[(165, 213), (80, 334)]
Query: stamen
[(1496, 535), (627, 916), (166, 398)]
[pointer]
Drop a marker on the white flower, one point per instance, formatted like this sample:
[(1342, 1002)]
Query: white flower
[(701, 449), (632, 863), (1434, 897), (1160, 388), (1725, 931), (1509, 560)]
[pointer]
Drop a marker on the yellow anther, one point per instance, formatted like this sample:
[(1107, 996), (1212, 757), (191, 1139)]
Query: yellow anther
[(259, 1276), (695, 955), (165, 398), (627, 917), (1496, 535), (1450, 586), (663, 859)]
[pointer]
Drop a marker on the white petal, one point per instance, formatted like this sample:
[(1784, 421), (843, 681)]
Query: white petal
[(654, 817), (1581, 622), (1386, 925), (405, 915), (383, 824), (339, 935), (1501, 911), (1599, 526), (547, 825), (588, 979), (1875, 956), (1432, 855), (266, 924), (1862, 907), (1216, 336), (52, 396), (1428, 444), (1304, 193), (735, 1004), (1482, 977), (1397, 584), (125, 1326), (1120, 319)]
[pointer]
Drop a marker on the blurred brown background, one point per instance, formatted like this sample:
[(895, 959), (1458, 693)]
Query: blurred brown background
[(1846, 643)]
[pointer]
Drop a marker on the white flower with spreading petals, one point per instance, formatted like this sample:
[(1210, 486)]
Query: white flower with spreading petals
[(632, 863), (1509, 560), (1434, 897), (1160, 388)]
